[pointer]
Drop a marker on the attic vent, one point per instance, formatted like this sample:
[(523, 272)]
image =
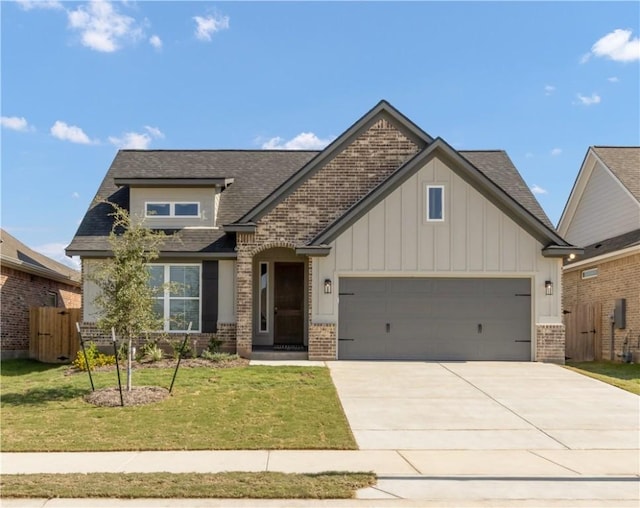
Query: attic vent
[(598, 245)]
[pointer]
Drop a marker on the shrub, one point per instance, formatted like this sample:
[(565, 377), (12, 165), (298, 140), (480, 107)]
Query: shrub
[(151, 351), (176, 344), (94, 357)]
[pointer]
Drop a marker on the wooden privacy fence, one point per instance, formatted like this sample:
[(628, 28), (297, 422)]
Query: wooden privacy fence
[(53, 335), (583, 329)]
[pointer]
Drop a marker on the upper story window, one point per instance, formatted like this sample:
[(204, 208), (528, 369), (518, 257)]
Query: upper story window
[(590, 273), (435, 203), (172, 209)]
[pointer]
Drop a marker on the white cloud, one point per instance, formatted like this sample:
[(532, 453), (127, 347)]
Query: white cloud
[(102, 27), (536, 189), (56, 251), (207, 26), (613, 79), (27, 5), (136, 140), (155, 41), (556, 151), (15, 123), (303, 141), (588, 101), (75, 195), (549, 89), (71, 133), (618, 46)]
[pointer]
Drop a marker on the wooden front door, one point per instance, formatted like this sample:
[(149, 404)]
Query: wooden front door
[(288, 304)]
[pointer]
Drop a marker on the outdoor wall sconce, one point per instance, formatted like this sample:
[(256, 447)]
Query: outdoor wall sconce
[(548, 287), (327, 286)]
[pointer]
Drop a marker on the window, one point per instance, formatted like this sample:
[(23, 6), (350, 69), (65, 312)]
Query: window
[(172, 209), (589, 273), (51, 299), (435, 203), (177, 299), (263, 295)]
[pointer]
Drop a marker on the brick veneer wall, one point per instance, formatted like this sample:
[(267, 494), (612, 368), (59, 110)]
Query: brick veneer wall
[(550, 343), (19, 291), (316, 203), (619, 278)]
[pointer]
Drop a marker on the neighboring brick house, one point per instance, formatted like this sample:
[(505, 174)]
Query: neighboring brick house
[(387, 244), (30, 279), (603, 215)]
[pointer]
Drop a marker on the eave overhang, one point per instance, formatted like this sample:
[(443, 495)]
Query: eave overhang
[(249, 227), (561, 251), (100, 254), (16, 264), (314, 250), (173, 182)]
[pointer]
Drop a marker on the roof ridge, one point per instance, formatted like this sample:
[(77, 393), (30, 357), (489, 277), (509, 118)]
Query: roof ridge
[(244, 150)]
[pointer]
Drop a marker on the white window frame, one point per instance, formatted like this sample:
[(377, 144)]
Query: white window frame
[(266, 300), (172, 209), (167, 298), (589, 273), (426, 214)]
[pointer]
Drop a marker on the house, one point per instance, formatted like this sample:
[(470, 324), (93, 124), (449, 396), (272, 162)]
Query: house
[(30, 279), (603, 215), (387, 244)]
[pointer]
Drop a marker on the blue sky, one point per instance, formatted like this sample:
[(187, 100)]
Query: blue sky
[(543, 81)]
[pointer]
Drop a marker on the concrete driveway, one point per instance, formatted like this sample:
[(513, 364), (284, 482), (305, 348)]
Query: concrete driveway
[(480, 418)]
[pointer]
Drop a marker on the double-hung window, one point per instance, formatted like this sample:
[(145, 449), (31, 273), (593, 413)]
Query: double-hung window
[(177, 295), (171, 209), (435, 203)]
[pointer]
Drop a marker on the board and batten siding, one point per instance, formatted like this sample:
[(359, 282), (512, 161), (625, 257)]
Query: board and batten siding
[(476, 239), (207, 197), (605, 210)]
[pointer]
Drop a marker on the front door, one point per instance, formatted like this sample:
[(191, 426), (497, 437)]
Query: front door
[(289, 304)]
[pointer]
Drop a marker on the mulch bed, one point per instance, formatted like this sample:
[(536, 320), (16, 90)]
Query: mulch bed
[(138, 396)]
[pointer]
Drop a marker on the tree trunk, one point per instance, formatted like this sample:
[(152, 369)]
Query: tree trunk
[(129, 353)]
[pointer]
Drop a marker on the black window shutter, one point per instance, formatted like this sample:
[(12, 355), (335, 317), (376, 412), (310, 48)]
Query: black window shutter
[(209, 296)]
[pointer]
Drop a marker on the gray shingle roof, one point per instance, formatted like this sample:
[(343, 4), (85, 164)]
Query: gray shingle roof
[(624, 162), (624, 241), (256, 173), (497, 166), (17, 254)]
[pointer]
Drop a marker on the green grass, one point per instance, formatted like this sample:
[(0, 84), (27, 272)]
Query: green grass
[(622, 375), (42, 409), (192, 485)]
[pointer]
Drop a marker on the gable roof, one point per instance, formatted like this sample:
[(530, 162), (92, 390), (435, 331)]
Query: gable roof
[(624, 163), (15, 254), (381, 110), (513, 197)]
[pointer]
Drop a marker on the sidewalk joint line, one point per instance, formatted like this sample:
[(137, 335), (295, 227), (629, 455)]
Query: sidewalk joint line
[(507, 408), (268, 460), (554, 462)]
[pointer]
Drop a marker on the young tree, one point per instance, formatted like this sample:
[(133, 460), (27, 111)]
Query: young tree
[(125, 298)]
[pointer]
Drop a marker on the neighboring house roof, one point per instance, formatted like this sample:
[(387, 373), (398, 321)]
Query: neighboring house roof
[(263, 178), (624, 163), (16, 255), (627, 243)]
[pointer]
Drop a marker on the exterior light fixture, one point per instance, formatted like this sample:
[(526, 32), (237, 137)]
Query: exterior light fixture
[(548, 287), (572, 256), (327, 286)]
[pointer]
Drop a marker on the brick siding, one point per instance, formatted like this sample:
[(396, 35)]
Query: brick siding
[(550, 343), (19, 291), (316, 203), (616, 279)]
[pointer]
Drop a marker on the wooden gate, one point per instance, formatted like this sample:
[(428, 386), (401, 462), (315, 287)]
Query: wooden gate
[(53, 334), (583, 328)]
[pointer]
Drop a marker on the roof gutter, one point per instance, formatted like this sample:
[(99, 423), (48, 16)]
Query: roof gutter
[(610, 256), (39, 271)]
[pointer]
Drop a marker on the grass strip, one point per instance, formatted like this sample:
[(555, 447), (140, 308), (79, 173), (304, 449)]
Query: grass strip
[(622, 375), (236, 485), (240, 408)]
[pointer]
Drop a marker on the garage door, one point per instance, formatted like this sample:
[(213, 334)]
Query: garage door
[(434, 319)]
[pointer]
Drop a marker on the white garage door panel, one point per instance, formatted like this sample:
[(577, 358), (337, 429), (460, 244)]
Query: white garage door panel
[(434, 319)]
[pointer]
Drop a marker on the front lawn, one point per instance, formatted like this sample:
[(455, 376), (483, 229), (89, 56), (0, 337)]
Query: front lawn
[(192, 485), (42, 409), (622, 375)]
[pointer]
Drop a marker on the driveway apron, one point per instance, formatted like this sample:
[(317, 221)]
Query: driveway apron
[(537, 407)]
